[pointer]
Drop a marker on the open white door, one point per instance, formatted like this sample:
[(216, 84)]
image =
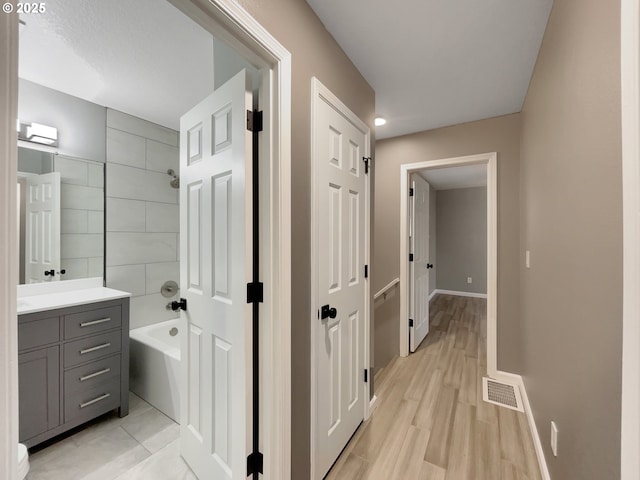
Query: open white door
[(42, 232), (420, 265), (215, 233), (340, 329)]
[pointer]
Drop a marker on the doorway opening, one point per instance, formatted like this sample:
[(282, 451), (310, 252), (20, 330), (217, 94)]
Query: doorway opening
[(232, 25), (480, 167)]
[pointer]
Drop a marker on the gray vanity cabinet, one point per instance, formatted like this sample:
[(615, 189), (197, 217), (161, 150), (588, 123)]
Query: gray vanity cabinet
[(73, 366)]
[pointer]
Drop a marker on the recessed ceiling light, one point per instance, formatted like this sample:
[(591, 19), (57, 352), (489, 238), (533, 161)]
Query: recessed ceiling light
[(380, 121)]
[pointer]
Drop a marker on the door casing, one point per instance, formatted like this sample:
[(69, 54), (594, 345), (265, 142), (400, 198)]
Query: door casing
[(320, 93), (230, 23), (491, 161)]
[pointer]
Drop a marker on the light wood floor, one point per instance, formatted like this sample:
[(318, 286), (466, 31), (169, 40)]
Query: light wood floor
[(431, 422)]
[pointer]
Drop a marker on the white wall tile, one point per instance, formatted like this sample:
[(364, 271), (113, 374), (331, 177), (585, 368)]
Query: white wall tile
[(138, 184), (124, 148), (158, 273), (131, 248), (73, 221), (149, 309), (137, 126), (72, 171), (128, 278), (163, 217), (81, 245), (95, 175), (161, 157), (74, 267), (95, 267), (125, 215), (81, 198), (95, 222)]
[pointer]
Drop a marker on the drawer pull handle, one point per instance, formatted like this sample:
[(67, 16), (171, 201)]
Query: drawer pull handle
[(95, 322), (93, 349), (96, 374), (95, 400)]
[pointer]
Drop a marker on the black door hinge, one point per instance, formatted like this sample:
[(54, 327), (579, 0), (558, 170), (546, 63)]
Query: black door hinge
[(254, 121), (366, 271), (254, 463), (411, 257), (411, 322), (255, 292), (366, 164), (411, 192), (366, 375)]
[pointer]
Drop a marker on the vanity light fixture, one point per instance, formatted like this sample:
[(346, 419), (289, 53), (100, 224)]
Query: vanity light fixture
[(38, 133), (379, 121)]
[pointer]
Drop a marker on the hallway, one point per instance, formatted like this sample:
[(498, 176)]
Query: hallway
[(431, 422)]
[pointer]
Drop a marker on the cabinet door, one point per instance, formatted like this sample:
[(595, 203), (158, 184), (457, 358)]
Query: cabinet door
[(39, 379)]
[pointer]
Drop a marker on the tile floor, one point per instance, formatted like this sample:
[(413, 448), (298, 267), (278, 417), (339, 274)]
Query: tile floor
[(141, 446)]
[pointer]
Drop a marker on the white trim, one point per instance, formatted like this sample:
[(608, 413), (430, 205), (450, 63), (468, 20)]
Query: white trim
[(321, 93), (232, 24), (630, 65), (457, 293), (491, 160), (8, 246), (386, 288), (517, 380)]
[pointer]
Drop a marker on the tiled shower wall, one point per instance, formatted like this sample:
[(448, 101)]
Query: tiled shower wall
[(142, 214)]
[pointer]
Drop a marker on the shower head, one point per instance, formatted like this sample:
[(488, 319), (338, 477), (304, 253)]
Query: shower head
[(175, 181)]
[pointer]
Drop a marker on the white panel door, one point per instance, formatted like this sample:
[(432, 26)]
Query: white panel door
[(42, 229), (419, 306), (215, 159), (341, 245)]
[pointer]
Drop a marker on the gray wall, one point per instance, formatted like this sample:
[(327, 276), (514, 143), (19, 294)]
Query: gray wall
[(142, 214), (462, 239), (433, 238), (315, 53), (500, 134), (81, 124), (570, 321)]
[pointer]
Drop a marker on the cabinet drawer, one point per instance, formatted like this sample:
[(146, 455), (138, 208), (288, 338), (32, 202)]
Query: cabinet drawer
[(92, 321), (38, 333), (91, 348), (91, 402), (83, 378)]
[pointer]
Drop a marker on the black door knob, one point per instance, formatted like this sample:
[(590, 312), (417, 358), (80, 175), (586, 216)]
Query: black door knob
[(179, 305), (429, 265), (328, 312), (51, 272)]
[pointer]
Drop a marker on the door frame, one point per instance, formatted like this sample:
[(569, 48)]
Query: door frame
[(630, 66), (320, 93), (491, 161), (229, 22)]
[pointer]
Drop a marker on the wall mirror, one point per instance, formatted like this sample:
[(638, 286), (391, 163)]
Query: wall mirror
[(61, 217)]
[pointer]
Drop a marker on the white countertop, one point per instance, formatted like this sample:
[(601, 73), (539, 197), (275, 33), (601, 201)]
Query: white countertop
[(41, 300)]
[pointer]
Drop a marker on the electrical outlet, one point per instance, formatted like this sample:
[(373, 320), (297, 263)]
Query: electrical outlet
[(527, 259), (554, 439), (469, 280)]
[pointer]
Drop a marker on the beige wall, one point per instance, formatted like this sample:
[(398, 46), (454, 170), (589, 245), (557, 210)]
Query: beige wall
[(500, 134), (571, 297), (314, 53)]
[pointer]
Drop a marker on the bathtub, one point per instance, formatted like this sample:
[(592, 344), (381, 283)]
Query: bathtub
[(155, 366)]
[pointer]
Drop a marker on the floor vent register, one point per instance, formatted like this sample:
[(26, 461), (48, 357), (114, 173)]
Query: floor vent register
[(501, 394)]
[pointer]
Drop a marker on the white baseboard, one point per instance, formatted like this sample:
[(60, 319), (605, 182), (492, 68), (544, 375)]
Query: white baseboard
[(373, 404), (517, 380), (458, 294)]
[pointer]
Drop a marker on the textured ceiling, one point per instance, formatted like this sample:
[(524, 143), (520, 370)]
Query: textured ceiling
[(434, 63), (456, 177), (142, 57)]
